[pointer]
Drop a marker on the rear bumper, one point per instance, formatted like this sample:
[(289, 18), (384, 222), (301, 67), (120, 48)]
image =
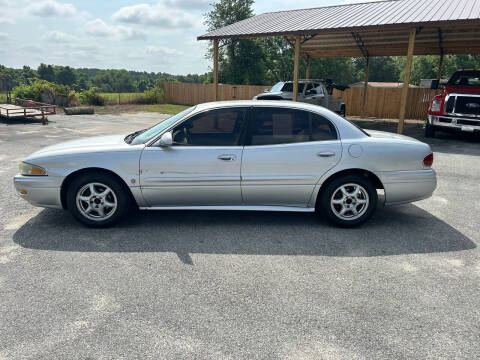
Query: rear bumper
[(408, 186), (454, 123), (42, 191)]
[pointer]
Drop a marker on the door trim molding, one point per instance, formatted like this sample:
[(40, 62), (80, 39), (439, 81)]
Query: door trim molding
[(234, 208)]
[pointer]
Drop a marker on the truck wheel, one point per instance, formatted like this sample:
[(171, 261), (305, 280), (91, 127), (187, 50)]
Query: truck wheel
[(429, 131)]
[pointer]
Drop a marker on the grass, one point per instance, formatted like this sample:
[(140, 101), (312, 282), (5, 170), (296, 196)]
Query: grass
[(132, 108), (122, 98)]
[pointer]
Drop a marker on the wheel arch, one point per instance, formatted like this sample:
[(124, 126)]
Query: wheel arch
[(377, 183), (68, 180)]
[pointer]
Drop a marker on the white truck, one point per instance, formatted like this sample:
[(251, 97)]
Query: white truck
[(313, 91)]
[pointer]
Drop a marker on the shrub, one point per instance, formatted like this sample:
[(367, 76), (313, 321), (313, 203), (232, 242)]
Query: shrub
[(92, 97), (153, 96), (73, 98), (35, 90)]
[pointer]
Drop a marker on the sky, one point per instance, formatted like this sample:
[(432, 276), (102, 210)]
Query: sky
[(142, 35)]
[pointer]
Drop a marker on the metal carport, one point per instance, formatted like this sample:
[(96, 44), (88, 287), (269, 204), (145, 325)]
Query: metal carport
[(384, 28)]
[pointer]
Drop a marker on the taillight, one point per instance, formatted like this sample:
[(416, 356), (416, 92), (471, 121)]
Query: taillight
[(428, 161)]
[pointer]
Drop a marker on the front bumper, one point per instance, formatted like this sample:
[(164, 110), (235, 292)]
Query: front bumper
[(403, 187), (453, 122), (42, 191)]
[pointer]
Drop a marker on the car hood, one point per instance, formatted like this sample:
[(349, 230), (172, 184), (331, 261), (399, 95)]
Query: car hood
[(91, 144)]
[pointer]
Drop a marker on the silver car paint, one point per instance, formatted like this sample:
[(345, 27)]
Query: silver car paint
[(277, 177)]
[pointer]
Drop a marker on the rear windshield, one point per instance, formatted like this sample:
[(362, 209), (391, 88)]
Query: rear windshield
[(465, 78)]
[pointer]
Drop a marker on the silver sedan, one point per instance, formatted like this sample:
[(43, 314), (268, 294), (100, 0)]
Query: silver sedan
[(238, 155)]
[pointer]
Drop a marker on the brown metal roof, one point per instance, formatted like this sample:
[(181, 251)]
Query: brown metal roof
[(381, 28)]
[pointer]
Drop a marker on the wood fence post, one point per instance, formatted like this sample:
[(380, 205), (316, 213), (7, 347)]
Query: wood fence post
[(295, 67), (365, 88), (307, 68), (440, 68), (406, 80), (215, 68)]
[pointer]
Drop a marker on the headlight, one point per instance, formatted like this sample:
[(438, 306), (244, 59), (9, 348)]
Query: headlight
[(436, 105), (29, 169)]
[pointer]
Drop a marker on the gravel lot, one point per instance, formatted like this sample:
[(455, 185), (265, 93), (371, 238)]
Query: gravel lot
[(229, 285)]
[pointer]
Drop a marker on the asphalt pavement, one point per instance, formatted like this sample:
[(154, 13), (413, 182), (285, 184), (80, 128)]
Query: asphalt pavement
[(239, 285)]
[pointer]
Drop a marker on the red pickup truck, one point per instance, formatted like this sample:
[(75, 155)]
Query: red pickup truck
[(458, 106)]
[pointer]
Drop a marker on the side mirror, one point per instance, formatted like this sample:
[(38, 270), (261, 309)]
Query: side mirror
[(266, 90), (166, 140)]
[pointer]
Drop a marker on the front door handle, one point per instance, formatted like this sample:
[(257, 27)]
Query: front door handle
[(227, 157), (325, 154)]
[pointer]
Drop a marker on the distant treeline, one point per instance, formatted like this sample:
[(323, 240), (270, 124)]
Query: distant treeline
[(118, 81)]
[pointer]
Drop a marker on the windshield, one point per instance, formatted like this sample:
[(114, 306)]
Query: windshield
[(465, 78), (277, 87), (149, 134), (288, 87)]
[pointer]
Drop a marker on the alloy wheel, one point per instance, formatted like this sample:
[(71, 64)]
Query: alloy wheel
[(96, 201), (349, 201)]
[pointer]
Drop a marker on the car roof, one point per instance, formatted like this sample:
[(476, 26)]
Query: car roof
[(256, 103)]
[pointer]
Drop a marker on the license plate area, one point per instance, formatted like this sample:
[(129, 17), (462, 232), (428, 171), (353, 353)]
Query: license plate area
[(467, 128)]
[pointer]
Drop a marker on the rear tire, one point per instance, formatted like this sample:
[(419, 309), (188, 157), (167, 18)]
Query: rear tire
[(348, 201), (429, 131), (98, 200)]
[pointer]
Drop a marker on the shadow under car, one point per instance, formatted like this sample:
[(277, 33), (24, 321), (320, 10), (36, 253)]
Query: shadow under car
[(405, 229)]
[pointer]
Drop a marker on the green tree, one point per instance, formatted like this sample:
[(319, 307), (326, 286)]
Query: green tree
[(383, 69), (46, 72), (27, 75), (65, 75), (240, 61)]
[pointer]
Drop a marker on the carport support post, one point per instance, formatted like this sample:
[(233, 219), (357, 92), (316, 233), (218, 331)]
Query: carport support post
[(307, 68), (295, 67), (406, 80), (440, 68), (215, 67), (365, 87)]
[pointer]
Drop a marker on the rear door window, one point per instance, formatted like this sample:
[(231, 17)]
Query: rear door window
[(271, 126)]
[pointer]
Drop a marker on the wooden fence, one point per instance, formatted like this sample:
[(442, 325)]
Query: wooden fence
[(192, 94), (382, 102), (385, 102)]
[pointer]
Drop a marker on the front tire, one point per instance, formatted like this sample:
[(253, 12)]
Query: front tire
[(98, 200), (348, 201), (429, 131)]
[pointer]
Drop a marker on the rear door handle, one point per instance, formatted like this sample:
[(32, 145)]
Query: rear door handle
[(227, 157), (325, 154)]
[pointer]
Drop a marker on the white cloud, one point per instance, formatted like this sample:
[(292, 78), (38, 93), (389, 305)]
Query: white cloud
[(162, 51), (128, 33), (3, 37), (6, 21), (188, 4), (52, 8), (57, 36), (156, 15), (99, 28)]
